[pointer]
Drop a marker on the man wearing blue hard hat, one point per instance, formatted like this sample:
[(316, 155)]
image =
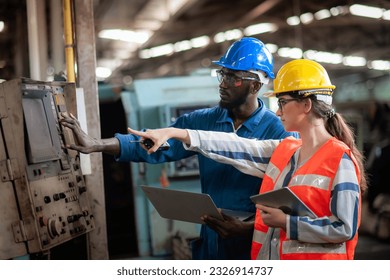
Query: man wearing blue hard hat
[(245, 67)]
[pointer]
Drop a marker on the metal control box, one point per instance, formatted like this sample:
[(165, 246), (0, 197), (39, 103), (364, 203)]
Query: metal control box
[(43, 196)]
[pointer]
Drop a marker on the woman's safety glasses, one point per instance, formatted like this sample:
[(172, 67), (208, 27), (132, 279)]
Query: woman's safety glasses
[(282, 102)]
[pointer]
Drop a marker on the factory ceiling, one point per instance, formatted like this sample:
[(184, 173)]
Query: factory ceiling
[(330, 26), (178, 37)]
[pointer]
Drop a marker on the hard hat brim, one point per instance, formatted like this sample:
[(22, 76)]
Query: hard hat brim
[(304, 92)]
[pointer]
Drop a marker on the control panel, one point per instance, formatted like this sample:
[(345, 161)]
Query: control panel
[(49, 191)]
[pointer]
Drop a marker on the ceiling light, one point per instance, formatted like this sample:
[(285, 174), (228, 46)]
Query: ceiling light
[(167, 49), (1, 25), (157, 51), (161, 50), (138, 37), (366, 11), (306, 18), (219, 37), (103, 72), (200, 42), (294, 20), (260, 28), (322, 14), (145, 54), (355, 61), (272, 47), (233, 34), (386, 15), (326, 57), (227, 35), (334, 11), (294, 53), (182, 46), (379, 65)]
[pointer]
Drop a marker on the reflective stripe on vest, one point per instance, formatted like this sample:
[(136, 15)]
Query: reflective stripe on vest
[(273, 172), (294, 247), (259, 236), (316, 181)]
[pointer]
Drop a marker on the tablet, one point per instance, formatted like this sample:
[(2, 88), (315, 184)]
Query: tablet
[(285, 200), (186, 206)]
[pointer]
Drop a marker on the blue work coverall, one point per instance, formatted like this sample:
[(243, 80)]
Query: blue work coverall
[(228, 187)]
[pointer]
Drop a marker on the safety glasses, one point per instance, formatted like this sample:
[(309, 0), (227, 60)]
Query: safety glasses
[(282, 102), (232, 79)]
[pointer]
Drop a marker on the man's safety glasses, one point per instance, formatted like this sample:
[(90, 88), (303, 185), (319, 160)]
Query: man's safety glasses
[(232, 79)]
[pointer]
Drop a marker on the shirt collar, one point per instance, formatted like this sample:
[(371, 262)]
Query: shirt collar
[(252, 122)]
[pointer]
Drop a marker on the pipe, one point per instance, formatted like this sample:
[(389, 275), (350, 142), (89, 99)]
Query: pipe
[(69, 50), (57, 41), (33, 41)]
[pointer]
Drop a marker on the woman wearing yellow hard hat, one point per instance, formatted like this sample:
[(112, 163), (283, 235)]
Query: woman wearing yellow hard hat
[(323, 168)]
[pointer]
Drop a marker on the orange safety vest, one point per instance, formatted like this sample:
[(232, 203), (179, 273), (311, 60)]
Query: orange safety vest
[(312, 183)]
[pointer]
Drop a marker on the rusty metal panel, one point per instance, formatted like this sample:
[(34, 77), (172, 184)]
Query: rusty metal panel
[(3, 109), (8, 213), (43, 196)]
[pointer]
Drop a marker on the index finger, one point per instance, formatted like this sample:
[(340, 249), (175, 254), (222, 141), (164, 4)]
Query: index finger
[(136, 132)]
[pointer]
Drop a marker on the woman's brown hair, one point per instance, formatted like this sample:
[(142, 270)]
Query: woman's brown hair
[(336, 125)]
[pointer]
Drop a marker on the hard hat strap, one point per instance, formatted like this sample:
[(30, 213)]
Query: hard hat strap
[(321, 91), (324, 95), (262, 76)]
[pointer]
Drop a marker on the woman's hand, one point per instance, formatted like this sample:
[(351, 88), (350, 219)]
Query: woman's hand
[(272, 217), (160, 136)]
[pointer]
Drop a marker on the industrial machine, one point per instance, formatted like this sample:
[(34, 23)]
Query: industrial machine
[(43, 196)]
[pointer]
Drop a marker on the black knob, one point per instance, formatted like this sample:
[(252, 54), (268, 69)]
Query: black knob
[(47, 199)]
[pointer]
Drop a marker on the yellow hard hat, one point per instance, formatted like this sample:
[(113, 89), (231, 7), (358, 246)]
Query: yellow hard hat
[(304, 77)]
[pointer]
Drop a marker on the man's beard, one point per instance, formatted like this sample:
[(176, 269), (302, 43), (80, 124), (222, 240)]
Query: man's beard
[(233, 104)]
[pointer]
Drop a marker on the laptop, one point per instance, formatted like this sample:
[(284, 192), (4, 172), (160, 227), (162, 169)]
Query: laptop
[(187, 206), (285, 200)]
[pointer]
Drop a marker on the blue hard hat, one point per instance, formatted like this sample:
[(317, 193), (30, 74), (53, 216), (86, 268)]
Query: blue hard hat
[(248, 54)]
